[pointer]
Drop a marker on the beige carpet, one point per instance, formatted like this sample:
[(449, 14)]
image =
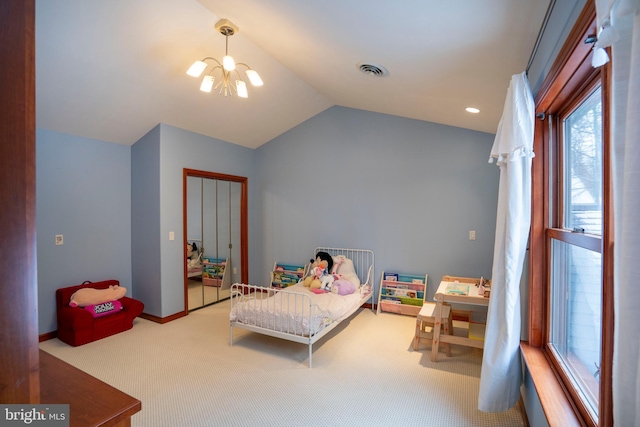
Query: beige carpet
[(364, 374)]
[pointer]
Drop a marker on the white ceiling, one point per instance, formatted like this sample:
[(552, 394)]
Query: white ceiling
[(113, 69)]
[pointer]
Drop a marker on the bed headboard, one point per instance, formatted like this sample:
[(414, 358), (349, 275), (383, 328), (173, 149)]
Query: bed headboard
[(363, 261)]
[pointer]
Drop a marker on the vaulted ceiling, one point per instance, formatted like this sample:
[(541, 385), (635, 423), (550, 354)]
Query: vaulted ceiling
[(113, 69)]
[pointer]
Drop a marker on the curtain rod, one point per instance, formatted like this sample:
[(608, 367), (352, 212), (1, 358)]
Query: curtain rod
[(540, 33)]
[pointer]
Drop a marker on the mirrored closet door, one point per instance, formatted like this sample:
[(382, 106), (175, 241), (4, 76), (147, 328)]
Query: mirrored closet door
[(215, 247)]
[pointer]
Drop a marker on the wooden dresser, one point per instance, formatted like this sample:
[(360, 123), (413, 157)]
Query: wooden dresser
[(91, 401)]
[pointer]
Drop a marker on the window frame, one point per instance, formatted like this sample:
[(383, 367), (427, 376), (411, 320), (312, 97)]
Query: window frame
[(570, 75)]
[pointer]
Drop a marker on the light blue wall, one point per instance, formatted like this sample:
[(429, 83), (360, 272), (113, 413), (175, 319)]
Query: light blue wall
[(194, 210), (181, 149), (410, 190), (83, 192), (531, 401), (145, 220), (157, 164)]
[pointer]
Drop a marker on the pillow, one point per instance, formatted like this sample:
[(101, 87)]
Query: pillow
[(104, 309), (348, 271), (90, 296)]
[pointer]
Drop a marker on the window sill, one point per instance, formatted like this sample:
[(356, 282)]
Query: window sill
[(557, 408)]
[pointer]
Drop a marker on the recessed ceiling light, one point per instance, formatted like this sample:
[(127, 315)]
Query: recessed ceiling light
[(472, 110)]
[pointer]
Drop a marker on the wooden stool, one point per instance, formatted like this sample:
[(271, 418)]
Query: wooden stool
[(426, 319)]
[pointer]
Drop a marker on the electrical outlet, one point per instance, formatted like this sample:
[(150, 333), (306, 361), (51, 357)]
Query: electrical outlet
[(59, 239), (235, 270), (472, 235)]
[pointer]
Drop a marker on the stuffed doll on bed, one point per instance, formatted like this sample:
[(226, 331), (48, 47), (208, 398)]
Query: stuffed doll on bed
[(332, 274), (319, 272), (347, 281)]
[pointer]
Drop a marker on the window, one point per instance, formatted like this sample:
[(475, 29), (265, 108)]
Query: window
[(576, 304), (571, 239), (575, 264), (582, 153)]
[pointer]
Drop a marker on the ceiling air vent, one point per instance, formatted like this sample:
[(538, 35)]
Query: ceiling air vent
[(373, 70)]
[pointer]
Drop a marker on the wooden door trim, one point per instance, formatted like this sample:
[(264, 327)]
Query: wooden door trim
[(20, 382), (244, 227)]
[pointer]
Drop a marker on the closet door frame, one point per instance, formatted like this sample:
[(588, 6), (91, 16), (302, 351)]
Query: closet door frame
[(244, 250)]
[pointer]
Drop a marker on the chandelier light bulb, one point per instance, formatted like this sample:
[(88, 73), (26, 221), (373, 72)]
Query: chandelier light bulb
[(197, 68), (207, 83), (241, 87), (223, 70), (228, 63), (254, 78)]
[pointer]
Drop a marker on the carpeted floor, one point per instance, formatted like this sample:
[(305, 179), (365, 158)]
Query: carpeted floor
[(364, 374)]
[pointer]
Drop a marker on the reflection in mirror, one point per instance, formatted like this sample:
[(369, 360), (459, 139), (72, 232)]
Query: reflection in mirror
[(195, 293), (211, 234), (224, 226), (235, 199), (214, 222)]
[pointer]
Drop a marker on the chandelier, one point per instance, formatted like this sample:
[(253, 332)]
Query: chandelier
[(226, 71)]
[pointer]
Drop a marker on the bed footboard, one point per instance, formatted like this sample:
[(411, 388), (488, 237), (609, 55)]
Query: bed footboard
[(277, 310)]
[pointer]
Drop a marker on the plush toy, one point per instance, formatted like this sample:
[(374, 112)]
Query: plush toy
[(318, 270), (326, 282), (193, 255), (324, 256), (191, 249), (319, 276), (337, 261), (343, 287), (90, 296), (347, 271)]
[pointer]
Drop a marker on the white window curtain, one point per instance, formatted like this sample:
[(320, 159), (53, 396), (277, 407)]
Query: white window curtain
[(501, 374), (620, 24)]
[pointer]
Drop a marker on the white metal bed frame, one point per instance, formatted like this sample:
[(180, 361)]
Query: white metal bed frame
[(302, 306)]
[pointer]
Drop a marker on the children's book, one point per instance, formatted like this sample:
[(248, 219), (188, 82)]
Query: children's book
[(457, 289)]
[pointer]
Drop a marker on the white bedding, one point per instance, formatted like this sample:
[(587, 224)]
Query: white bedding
[(289, 310)]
